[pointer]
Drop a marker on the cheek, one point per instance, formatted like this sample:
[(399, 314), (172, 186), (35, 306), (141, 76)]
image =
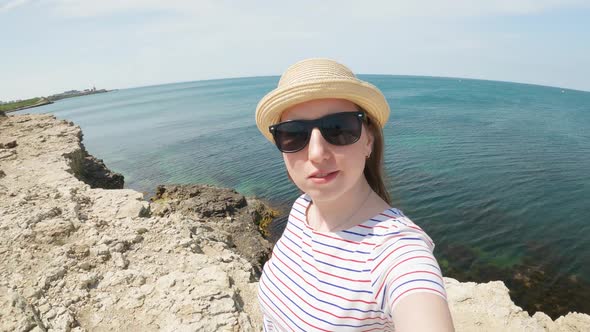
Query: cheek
[(354, 162), (293, 164)]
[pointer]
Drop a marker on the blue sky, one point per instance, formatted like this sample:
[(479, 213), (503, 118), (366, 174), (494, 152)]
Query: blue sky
[(49, 46)]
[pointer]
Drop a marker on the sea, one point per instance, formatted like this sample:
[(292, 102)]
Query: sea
[(497, 173)]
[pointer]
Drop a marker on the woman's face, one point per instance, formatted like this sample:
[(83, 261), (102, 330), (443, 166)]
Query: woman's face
[(322, 170)]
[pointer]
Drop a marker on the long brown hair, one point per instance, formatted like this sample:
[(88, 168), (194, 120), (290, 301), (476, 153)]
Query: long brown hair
[(374, 172), (374, 164)]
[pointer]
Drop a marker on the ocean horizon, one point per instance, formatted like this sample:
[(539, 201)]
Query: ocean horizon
[(495, 172)]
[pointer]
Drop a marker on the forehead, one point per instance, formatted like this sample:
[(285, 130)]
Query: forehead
[(316, 108)]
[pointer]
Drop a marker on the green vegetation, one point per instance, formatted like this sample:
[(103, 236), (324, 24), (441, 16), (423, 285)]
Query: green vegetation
[(263, 216), (20, 104), (40, 101)]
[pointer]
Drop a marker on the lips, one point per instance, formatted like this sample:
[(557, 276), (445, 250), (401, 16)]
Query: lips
[(321, 174)]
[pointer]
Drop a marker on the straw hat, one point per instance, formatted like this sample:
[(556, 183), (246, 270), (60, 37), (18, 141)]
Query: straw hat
[(315, 79)]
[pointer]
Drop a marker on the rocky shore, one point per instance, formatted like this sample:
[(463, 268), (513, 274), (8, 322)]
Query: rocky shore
[(79, 253)]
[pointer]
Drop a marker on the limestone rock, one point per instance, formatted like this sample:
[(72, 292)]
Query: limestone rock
[(79, 258), (488, 307)]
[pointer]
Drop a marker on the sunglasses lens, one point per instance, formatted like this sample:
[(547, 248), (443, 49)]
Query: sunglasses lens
[(291, 136), (338, 129), (341, 128)]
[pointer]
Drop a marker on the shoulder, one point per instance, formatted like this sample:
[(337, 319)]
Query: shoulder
[(394, 226), (403, 261)]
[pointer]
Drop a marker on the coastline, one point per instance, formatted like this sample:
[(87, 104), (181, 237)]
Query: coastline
[(80, 257), (42, 101), (53, 98)]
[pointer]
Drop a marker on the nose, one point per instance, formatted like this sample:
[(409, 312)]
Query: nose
[(318, 148)]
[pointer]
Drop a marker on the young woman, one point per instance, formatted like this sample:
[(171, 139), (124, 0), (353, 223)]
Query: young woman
[(347, 260)]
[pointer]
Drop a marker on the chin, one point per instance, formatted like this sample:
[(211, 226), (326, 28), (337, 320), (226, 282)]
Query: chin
[(323, 194)]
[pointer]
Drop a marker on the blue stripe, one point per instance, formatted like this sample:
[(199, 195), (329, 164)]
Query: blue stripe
[(336, 247), (288, 238), (299, 228), (269, 300), (339, 267), (397, 257), (318, 279), (320, 300), (434, 266), (397, 211), (353, 233), (370, 234), (293, 208), (394, 243), (383, 299), (307, 313), (414, 280)]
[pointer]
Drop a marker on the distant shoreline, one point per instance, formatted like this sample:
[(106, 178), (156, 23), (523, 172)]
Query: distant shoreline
[(76, 94), (42, 101), (18, 106)]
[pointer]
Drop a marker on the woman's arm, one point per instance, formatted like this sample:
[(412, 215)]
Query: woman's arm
[(422, 312), (409, 280)]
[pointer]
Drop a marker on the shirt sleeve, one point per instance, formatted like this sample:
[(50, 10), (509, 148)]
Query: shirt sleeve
[(404, 264)]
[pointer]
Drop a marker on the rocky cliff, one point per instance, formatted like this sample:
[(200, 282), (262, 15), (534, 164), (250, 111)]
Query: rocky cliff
[(77, 257)]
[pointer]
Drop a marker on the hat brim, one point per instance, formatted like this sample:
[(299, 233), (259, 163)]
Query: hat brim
[(364, 94)]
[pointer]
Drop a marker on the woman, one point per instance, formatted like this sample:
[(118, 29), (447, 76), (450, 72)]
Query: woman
[(347, 260)]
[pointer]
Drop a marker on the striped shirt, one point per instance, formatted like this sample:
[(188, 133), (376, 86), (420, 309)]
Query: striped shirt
[(348, 280)]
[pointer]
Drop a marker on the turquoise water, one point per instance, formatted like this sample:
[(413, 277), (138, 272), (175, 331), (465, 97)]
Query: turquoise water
[(499, 168)]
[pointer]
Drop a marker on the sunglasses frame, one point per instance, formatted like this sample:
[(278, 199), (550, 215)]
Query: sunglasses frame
[(317, 123)]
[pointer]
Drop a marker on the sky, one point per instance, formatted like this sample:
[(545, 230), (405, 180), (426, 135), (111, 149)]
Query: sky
[(50, 46)]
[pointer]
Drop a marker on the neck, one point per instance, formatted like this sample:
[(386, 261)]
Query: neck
[(344, 211)]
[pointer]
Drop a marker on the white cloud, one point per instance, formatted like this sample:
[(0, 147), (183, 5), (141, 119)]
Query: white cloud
[(11, 4)]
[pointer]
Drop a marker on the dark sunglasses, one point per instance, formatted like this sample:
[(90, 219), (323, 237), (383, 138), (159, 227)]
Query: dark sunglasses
[(337, 128)]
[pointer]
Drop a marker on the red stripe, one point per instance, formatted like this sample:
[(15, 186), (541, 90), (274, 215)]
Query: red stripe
[(304, 206), (391, 252), (289, 308), (333, 275), (338, 257), (316, 288), (309, 304), (277, 315), (374, 226), (393, 267), (337, 238), (290, 231), (388, 216), (320, 271), (414, 226), (374, 329), (386, 239), (421, 271), (291, 215)]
